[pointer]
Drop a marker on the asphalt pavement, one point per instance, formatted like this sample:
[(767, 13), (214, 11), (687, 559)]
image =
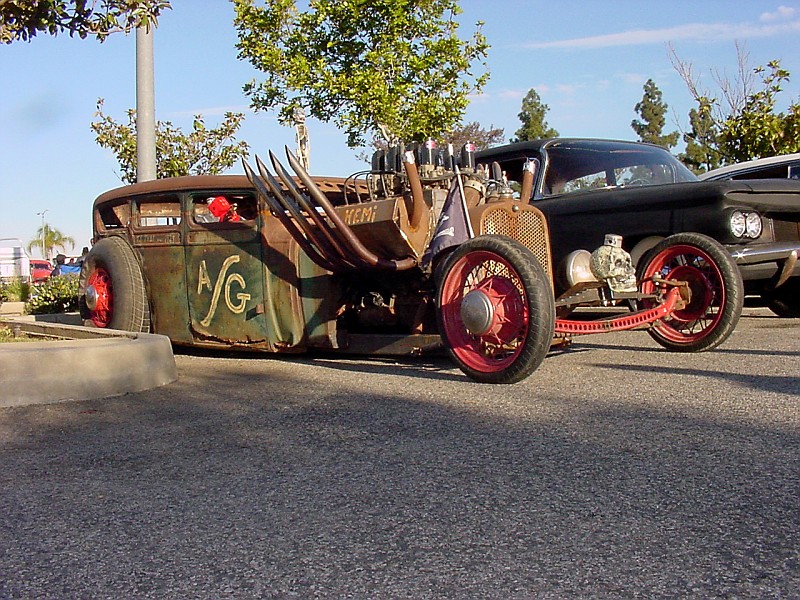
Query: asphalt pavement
[(618, 470)]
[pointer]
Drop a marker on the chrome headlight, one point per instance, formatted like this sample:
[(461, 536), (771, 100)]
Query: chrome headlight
[(745, 224), (753, 225), (738, 223)]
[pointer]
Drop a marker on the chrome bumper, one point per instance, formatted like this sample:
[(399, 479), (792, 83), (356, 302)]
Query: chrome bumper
[(776, 261)]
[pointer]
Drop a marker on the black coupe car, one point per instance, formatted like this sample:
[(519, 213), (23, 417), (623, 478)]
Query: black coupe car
[(587, 188)]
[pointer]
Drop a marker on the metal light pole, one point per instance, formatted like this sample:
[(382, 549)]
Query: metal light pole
[(41, 214), (145, 106)]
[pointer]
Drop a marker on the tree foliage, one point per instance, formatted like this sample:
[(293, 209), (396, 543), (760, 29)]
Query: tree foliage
[(702, 141), (48, 239), (468, 132), (475, 133), (394, 67), (23, 19), (758, 130), (653, 112), (203, 151), (739, 119), (532, 115)]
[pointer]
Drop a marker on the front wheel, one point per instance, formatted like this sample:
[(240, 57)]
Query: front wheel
[(715, 287), (495, 309)]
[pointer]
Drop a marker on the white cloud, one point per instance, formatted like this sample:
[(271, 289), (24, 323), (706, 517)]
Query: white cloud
[(782, 12), (701, 32)]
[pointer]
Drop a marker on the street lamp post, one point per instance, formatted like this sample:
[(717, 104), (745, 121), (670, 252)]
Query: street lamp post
[(41, 214)]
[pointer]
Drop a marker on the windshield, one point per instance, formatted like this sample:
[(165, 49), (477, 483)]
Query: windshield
[(574, 168)]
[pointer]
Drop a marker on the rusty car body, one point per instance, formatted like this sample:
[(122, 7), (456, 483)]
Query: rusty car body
[(371, 264)]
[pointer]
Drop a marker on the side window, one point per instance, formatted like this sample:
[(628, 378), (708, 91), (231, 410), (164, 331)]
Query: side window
[(224, 207), (773, 172), (113, 216), (162, 211)]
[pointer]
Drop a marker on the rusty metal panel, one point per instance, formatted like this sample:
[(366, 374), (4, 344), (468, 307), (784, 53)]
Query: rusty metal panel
[(383, 227), (320, 294), (283, 310), (164, 271)]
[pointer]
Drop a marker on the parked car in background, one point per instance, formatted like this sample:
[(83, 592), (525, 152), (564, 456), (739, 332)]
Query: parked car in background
[(786, 166), (40, 270), (587, 188)]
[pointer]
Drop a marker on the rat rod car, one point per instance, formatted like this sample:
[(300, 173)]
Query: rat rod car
[(424, 250)]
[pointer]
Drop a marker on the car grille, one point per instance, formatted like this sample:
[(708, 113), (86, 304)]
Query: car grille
[(526, 225), (786, 231)]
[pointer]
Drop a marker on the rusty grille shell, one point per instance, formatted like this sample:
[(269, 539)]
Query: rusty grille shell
[(523, 223)]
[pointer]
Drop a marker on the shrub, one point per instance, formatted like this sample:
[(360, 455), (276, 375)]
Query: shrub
[(56, 295), (15, 290)]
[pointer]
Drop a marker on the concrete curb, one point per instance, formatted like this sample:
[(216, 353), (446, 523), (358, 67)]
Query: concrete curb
[(90, 363)]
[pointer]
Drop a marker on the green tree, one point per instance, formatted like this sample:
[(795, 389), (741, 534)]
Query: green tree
[(758, 130), (48, 239), (469, 132), (473, 132), (393, 67), (202, 152), (532, 116), (741, 112), (653, 111), (23, 19), (702, 142)]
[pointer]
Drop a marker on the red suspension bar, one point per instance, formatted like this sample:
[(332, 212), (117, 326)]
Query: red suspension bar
[(622, 323)]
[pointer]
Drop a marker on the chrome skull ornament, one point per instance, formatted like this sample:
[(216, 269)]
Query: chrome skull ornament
[(610, 263)]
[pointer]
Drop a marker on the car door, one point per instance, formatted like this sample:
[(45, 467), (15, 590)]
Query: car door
[(224, 269), (156, 233)]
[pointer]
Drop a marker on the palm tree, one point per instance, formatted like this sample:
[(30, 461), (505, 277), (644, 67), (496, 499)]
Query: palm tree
[(48, 239)]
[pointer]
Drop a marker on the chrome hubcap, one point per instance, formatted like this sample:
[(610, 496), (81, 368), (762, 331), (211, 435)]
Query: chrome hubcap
[(91, 297), (477, 312)]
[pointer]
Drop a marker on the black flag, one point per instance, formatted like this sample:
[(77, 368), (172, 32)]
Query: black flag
[(454, 227)]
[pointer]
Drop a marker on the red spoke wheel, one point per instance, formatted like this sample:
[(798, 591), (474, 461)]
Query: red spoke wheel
[(99, 297), (495, 309), (112, 292), (715, 288)]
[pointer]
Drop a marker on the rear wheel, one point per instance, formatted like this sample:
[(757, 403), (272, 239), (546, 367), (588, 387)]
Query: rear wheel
[(112, 290), (785, 301), (495, 309), (715, 285)]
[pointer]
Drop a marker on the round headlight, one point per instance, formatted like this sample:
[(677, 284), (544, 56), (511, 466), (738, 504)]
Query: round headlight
[(578, 268), (738, 223), (753, 225)]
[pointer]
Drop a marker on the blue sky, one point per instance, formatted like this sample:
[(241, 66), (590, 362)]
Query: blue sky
[(588, 59)]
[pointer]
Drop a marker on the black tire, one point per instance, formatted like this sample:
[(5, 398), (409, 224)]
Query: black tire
[(111, 272), (515, 307), (715, 283), (785, 301)]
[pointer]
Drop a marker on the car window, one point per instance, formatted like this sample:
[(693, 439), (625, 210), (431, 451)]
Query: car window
[(771, 172), (224, 207), (573, 169), (164, 211), (114, 216)]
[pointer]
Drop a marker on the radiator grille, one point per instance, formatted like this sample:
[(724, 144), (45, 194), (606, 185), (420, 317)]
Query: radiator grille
[(786, 231), (527, 226)]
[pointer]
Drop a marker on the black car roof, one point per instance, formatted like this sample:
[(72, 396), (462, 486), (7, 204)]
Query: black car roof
[(527, 148)]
